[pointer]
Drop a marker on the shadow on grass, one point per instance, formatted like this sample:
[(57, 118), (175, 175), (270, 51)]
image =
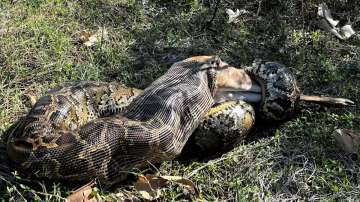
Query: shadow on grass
[(163, 33)]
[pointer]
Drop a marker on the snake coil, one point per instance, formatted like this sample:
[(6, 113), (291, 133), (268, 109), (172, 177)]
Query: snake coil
[(279, 88)]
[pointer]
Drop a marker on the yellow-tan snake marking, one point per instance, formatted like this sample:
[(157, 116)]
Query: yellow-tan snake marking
[(68, 134), (86, 130)]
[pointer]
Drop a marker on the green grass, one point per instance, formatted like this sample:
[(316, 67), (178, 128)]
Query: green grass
[(40, 48)]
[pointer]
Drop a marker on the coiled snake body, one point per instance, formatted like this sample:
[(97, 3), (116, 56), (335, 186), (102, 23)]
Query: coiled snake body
[(86, 130), (64, 136)]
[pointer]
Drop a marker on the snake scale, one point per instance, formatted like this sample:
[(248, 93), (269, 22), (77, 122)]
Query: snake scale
[(68, 134), (86, 130)]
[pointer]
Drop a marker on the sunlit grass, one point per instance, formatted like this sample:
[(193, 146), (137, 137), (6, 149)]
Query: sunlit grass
[(40, 47)]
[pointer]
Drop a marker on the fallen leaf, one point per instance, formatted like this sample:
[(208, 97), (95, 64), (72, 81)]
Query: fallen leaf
[(146, 187), (330, 25), (29, 99), (233, 15), (347, 31), (149, 186), (85, 35), (126, 196), (188, 184), (348, 140), (324, 11), (89, 39), (323, 24), (83, 194)]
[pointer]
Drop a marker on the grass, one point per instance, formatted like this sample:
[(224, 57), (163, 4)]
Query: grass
[(296, 160)]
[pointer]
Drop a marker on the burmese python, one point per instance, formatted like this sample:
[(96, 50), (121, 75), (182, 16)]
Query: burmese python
[(86, 130)]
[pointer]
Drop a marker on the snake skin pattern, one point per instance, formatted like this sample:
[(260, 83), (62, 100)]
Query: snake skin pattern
[(70, 133), (87, 130), (224, 126), (279, 87)]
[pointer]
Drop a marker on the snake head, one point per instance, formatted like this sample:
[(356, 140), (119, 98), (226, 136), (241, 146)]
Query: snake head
[(280, 92), (269, 85)]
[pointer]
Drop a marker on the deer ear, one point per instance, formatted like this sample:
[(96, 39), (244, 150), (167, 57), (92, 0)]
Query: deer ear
[(215, 62), (212, 63)]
